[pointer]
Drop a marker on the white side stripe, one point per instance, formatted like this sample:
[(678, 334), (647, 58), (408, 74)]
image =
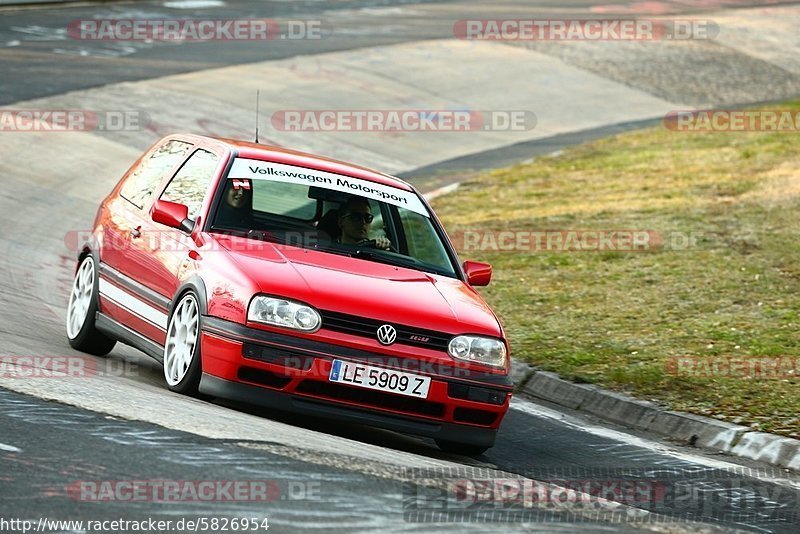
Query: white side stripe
[(133, 304)]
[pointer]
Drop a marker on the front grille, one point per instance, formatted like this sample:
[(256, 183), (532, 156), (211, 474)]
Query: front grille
[(477, 417), (408, 335), (293, 362), (368, 397), (476, 394)]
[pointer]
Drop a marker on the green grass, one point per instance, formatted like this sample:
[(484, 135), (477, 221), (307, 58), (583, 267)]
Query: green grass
[(617, 318)]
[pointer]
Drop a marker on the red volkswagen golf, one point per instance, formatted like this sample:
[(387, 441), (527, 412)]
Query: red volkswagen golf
[(294, 282)]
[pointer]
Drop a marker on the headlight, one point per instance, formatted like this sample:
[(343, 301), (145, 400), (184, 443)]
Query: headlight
[(282, 312), (478, 349)]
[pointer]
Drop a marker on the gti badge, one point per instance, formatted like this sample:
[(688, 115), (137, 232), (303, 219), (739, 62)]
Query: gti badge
[(386, 334)]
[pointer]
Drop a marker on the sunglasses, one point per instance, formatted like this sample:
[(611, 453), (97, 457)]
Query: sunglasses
[(366, 217)]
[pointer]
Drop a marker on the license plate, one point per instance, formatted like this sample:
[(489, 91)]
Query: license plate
[(367, 376)]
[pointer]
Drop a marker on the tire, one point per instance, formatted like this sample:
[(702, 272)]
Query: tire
[(82, 309), (460, 448), (182, 361)]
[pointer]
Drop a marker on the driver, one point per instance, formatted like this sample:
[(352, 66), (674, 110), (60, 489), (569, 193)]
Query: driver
[(354, 221)]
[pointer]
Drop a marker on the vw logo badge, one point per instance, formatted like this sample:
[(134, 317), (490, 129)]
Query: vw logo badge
[(387, 334)]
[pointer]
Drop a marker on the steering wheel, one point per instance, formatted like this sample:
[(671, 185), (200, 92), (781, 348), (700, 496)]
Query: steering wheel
[(372, 243)]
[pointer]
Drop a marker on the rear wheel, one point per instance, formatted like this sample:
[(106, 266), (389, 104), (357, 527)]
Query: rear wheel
[(81, 312), (182, 363), (460, 448)]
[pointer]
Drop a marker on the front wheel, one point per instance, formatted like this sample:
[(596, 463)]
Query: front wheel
[(182, 365), (460, 448), (81, 311)]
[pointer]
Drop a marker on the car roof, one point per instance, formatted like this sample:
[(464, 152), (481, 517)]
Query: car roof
[(288, 156)]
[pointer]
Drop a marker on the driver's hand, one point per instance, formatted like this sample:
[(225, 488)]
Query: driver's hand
[(382, 243)]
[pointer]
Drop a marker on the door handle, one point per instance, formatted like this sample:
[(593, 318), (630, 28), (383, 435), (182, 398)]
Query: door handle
[(136, 232)]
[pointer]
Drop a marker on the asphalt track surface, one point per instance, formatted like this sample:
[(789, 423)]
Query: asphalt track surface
[(124, 425)]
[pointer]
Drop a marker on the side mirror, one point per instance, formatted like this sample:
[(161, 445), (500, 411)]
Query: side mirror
[(478, 274), (173, 215)]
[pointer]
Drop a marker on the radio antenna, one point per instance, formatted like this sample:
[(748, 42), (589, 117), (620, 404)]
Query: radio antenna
[(258, 94)]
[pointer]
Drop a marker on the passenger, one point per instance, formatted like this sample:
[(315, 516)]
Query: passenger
[(236, 210)]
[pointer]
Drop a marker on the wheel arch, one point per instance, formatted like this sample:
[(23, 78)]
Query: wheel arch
[(86, 251), (91, 246), (196, 285)]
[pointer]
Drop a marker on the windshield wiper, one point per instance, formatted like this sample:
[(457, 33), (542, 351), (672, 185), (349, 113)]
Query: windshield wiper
[(255, 235), (333, 250), (380, 257)]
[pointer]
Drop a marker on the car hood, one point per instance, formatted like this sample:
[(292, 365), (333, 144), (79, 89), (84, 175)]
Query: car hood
[(363, 288)]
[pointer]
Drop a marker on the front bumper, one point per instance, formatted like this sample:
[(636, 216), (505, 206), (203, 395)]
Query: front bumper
[(284, 372)]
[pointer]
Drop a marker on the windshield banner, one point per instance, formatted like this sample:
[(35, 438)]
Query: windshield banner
[(265, 170)]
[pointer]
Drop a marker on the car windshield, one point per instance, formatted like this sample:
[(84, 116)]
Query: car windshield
[(330, 212)]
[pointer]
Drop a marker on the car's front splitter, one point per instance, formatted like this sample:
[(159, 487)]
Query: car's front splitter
[(276, 400)]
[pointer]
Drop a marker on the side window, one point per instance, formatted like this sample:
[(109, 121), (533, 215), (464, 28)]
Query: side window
[(143, 181), (190, 184), (421, 239)]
